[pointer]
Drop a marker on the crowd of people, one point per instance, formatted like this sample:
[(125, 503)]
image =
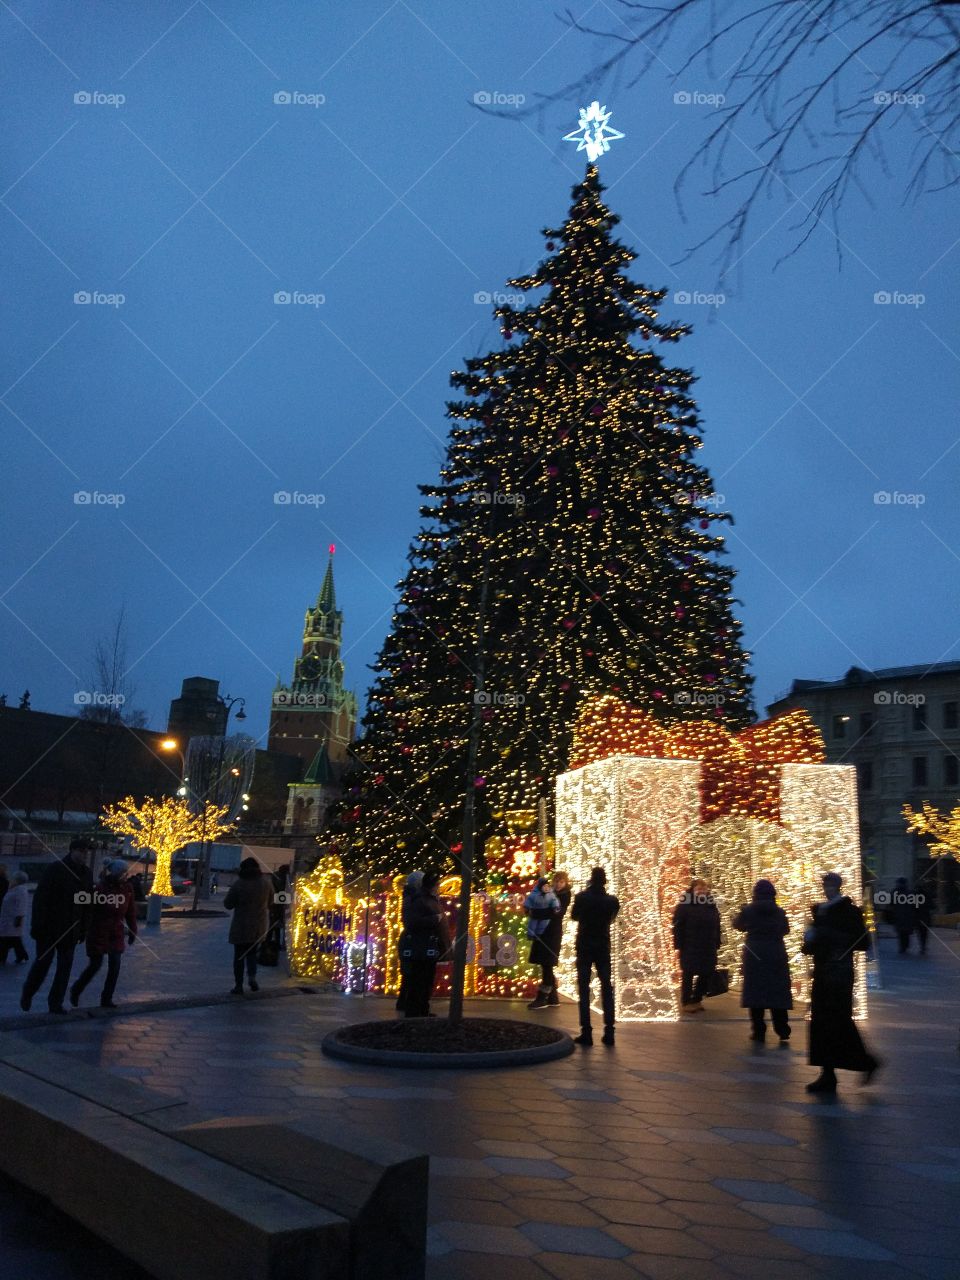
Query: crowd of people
[(836, 932), (69, 910)]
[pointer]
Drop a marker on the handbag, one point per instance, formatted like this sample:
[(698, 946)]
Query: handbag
[(269, 953), (719, 983), (420, 944)]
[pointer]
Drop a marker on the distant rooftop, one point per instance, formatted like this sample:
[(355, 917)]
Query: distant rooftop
[(883, 675)]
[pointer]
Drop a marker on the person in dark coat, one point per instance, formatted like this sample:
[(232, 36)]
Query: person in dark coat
[(113, 916), (766, 969), (545, 947), (58, 923), (423, 943), (838, 931), (902, 914), (696, 936), (594, 911), (249, 899), (411, 887)]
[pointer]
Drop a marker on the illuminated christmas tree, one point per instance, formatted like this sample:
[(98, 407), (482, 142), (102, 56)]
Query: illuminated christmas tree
[(574, 527)]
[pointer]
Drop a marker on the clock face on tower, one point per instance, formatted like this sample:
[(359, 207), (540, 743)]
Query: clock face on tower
[(309, 667)]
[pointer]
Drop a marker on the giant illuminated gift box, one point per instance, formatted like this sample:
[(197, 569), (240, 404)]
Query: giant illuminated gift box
[(346, 933), (656, 805)]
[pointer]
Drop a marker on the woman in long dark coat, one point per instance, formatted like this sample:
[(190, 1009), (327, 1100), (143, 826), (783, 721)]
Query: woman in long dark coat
[(837, 932), (545, 949), (696, 936), (249, 899), (766, 969)]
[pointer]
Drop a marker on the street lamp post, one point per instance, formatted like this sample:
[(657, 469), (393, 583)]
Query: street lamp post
[(203, 861)]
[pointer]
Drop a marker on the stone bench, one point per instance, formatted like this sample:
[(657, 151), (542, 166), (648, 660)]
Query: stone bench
[(377, 1186), (182, 1194)]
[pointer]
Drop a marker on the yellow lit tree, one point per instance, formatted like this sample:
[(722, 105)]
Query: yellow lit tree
[(943, 830), (164, 827)]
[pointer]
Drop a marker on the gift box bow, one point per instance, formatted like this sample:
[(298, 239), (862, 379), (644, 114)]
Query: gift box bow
[(740, 771)]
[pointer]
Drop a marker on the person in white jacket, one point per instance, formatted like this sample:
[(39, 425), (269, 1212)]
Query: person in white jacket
[(13, 918)]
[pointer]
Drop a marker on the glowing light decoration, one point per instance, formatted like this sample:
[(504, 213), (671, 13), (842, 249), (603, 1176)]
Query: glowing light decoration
[(594, 134), (745, 806), (633, 817), (347, 934), (164, 827)]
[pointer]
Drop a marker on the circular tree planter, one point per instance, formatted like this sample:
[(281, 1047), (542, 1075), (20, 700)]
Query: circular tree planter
[(432, 1042)]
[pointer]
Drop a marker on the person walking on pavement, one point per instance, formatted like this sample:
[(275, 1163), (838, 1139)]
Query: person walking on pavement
[(696, 936), (922, 915), (411, 887), (766, 969), (594, 911), (545, 947), (539, 906), (423, 943), (838, 931), (902, 914), (249, 899), (113, 917), (13, 915), (57, 924)]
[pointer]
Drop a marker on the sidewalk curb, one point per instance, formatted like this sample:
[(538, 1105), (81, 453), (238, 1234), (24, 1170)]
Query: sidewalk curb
[(335, 1048), (26, 1021)]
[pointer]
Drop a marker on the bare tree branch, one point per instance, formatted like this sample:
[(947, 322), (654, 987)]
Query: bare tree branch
[(811, 90)]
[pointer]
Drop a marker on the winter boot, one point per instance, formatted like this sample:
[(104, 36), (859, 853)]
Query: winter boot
[(608, 1035), (585, 1038), (826, 1082), (554, 997), (541, 1000)]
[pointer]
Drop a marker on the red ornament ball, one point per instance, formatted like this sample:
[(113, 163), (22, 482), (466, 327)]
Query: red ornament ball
[(679, 612), (658, 693), (597, 410), (553, 471), (508, 333), (704, 524), (479, 782), (594, 513), (550, 246)]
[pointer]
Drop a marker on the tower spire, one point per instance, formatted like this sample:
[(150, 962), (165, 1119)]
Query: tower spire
[(327, 600)]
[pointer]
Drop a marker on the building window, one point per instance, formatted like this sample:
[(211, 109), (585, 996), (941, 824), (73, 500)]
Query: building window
[(866, 722), (920, 716), (951, 771), (840, 726), (950, 715), (865, 775), (919, 771)]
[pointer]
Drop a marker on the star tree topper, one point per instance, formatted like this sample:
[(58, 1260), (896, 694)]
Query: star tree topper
[(594, 134)]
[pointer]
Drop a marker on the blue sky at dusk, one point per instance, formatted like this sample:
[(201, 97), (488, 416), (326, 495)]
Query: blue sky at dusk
[(197, 398)]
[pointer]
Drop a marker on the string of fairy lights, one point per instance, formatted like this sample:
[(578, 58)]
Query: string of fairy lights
[(572, 488)]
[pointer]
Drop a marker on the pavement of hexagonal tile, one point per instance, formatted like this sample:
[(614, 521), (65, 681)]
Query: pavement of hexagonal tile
[(683, 1154)]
